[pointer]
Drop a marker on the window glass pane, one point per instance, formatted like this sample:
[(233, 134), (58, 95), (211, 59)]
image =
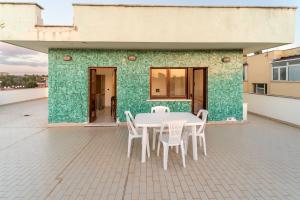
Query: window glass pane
[(275, 73), (294, 73), (283, 73), (177, 82), (279, 64), (159, 82)]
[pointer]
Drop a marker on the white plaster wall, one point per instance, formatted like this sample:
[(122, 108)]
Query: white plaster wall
[(284, 109), (19, 21), (150, 27), (109, 89), (160, 24), (14, 96)]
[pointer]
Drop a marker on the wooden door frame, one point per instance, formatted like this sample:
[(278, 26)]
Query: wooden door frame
[(89, 97), (205, 76), (89, 86)]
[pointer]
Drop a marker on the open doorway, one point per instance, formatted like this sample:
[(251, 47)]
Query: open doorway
[(198, 88), (102, 95)]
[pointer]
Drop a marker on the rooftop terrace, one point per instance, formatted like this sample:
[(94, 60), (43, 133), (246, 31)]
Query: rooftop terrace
[(255, 160)]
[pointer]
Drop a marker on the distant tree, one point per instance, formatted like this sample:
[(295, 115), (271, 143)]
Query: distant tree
[(31, 84), (29, 81)]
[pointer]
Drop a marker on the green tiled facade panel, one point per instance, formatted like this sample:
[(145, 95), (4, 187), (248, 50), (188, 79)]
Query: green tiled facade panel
[(68, 81)]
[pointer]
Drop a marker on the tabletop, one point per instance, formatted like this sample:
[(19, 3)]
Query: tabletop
[(155, 119)]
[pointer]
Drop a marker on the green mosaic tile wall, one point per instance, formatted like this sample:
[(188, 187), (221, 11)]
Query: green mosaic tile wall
[(68, 81)]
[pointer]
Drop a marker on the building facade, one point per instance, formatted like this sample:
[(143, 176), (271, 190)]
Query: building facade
[(275, 73), (132, 57), (133, 81)]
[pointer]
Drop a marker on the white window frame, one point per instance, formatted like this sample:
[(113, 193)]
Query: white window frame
[(279, 77), (287, 70)]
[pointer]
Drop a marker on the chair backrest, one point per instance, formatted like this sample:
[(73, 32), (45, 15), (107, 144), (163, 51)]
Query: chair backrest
[(203, 115), (130, 123), (175, 128), (160, 109)]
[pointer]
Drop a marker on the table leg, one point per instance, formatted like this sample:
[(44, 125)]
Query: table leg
[(194, 138), (144, 144)]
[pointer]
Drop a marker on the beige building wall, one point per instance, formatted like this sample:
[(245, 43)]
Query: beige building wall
[(260, 71), (150, 27), (284, 88)]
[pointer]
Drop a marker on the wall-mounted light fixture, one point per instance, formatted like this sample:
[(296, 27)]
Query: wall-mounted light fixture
[(226, 59), (67, 58), (2, 25), (131, 58)]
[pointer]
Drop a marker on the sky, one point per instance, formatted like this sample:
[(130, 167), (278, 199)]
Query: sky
[(16, 60)]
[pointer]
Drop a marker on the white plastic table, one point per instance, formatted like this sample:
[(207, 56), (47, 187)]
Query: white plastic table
[(154, 120)]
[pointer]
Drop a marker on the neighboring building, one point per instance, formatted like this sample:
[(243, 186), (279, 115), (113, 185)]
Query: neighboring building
[(274, 73), (45, 82), (41, 84), (4, 73), (133, 57)]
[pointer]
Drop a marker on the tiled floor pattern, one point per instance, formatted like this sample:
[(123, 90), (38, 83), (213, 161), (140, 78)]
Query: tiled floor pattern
[(104, 116), (256, 160)]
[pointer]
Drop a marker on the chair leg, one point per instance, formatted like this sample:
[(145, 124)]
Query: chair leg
[(153, 139), (177, 149), (200, 141), (182, 153), (148, 147), (186, 141), (165, 159), (204, 144), (158, 145), (129, 146)]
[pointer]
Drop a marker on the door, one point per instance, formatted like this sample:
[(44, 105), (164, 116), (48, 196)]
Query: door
[(93, 93), (199, 89), (102, 91)]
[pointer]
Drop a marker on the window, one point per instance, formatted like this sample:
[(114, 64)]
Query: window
[(245, 72), (177, 82), (294, 73), (275, 74), (286, 70), (159, 82), (294, 70), (282, 73), (279, 73), (168, 83), (260, 88)]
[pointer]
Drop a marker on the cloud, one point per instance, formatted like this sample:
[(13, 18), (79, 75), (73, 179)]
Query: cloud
[(21, 61), (11, 50), (11, 55)]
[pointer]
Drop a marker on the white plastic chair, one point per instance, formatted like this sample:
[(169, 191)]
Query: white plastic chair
[(173, 138), (134, 133), (157, 109), (160, 109), (200, 132)]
